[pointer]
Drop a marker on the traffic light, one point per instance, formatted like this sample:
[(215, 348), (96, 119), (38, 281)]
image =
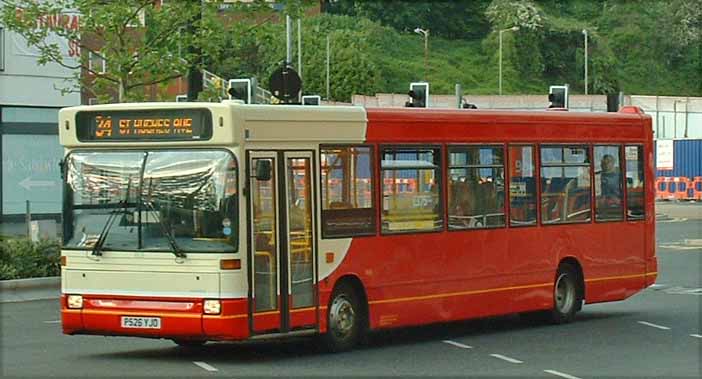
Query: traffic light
[(419, 95), (240, 89), (558, 96), (311, 100)]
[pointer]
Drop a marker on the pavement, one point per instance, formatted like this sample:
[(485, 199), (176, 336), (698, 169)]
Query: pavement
[(50, 288), (12, 291)]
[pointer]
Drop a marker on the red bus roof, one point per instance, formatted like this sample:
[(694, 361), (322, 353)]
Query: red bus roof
[(412, 125)]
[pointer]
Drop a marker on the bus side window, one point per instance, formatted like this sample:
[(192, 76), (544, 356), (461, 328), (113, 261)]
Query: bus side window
[(609, 196), (411, 189), (522, 185), (347, 191), (476, 187), (565, 184), (635, 192)]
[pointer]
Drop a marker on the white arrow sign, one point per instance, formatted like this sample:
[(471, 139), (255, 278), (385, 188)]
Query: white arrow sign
[(28, 183)]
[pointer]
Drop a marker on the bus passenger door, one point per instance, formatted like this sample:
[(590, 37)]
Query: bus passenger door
[(282, 249)]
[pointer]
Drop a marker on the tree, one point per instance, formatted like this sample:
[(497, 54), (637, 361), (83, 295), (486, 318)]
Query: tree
[(142, 42), (463, 19)]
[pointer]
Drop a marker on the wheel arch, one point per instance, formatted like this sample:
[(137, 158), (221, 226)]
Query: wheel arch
[(573, 262), (355, 282)]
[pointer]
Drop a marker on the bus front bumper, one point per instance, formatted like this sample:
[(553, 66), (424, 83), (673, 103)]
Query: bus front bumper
[(181, 319)]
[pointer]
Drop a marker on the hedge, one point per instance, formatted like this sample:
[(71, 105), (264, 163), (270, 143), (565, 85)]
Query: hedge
[(22, 258)]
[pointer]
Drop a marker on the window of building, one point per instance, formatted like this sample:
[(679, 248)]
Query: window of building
[(411, 189), (347, 191), (96, 63), (609, 196), (565, 184), (476, 187), (634, 156), (522, 185)]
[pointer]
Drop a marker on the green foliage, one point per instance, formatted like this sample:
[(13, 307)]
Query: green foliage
[(459, 19), (22, 258), (179, 33)]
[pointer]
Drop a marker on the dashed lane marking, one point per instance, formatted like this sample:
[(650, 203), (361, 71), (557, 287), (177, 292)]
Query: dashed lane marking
[(696, 335), (505, 358), (675, 219), (52, 322), (462, 346), (653, 325), (561, 374), (205, 366)]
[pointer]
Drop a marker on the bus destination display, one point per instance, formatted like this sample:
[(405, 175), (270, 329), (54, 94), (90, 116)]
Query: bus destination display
[(146, 125)]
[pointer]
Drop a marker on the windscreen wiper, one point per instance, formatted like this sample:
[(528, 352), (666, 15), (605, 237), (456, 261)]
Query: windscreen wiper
[(166, 230), (122, 207)]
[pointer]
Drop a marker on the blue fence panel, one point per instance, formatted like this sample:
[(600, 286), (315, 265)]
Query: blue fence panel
[(687, 159)]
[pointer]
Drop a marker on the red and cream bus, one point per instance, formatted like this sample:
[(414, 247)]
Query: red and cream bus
[(207, 222)]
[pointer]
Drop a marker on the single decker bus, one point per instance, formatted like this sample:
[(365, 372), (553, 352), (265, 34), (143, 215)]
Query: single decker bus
[(202, 222)]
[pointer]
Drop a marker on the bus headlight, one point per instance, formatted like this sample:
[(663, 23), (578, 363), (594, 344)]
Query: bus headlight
[(75, 301), (212, 307)]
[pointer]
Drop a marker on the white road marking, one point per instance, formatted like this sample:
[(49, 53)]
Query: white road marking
[(653, 325), (696, 335), (504, 358), (52, 322), (561, 374), (462, 346), (205, 366)]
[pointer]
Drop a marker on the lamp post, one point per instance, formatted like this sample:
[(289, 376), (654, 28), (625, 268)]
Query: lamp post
[(426, 49), (512, 29), (585, 35)]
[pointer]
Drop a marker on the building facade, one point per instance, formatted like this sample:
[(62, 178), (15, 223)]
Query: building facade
[(30, 98)]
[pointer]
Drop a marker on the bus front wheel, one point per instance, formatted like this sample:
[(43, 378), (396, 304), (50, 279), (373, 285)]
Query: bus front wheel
[(344, 319), (565, 295)]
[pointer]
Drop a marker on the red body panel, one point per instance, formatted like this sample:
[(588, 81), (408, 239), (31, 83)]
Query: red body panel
[(180, 318), (414, 279)]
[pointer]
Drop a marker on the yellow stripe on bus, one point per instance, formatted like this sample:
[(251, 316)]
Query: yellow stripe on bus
[(452, 294), (475, 292)]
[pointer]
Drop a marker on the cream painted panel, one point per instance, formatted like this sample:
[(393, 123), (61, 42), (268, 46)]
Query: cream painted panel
[(144, 261), (234, 284), (340, 247), (166, 284), (326, 131)]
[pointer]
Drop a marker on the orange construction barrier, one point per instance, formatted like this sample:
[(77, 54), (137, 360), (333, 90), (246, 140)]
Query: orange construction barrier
[(660, 187), (666, 189), (696, 187), (682, 184)]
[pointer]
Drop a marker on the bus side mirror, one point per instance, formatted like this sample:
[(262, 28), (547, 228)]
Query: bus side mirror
[(263, 170)]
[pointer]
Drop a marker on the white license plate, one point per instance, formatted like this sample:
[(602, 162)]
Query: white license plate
[(141, 322)]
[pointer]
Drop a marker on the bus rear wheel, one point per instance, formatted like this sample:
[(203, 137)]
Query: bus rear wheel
[(344, 319), (565, 295)]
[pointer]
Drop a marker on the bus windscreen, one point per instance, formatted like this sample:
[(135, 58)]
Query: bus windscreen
[(144, 125)]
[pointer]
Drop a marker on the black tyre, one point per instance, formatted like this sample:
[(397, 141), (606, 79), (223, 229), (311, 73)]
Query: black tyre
[(345, 319), (566, 298)]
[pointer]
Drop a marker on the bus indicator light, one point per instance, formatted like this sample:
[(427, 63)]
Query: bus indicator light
[(329, 257), (230, 264)]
